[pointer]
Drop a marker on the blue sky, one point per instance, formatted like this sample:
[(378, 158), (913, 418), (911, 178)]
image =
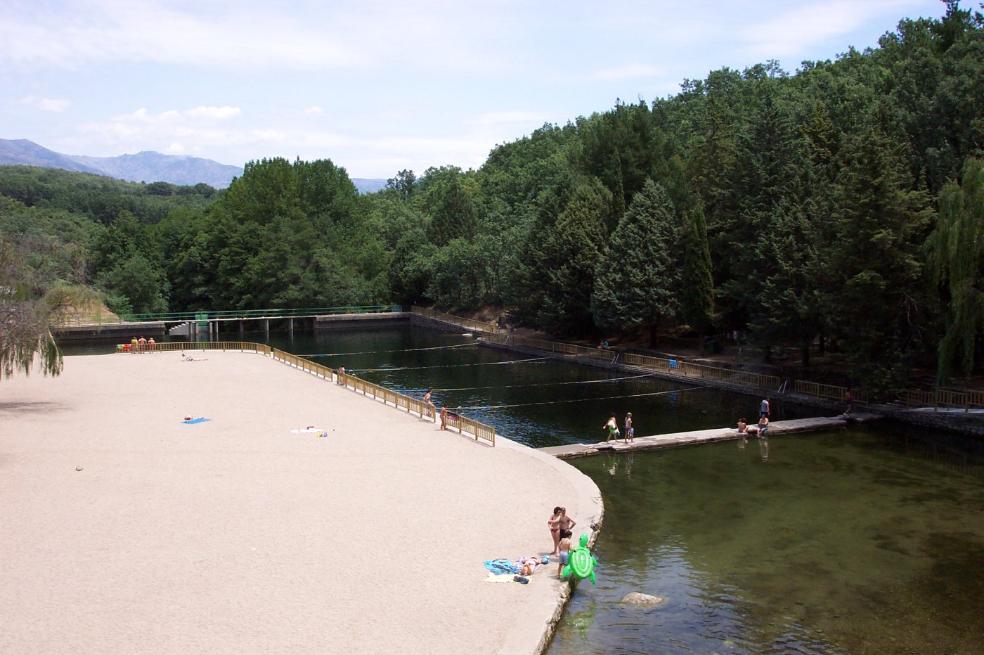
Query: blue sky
[(379, 86)]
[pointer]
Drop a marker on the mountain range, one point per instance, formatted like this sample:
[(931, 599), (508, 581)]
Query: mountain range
[(146, 166)]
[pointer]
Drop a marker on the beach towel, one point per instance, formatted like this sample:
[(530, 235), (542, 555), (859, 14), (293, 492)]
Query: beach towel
[(501, 566), (192, 421), (319, 431)]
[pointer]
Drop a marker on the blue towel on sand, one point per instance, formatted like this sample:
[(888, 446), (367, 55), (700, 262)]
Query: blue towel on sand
[(500, 566), (200, 419)]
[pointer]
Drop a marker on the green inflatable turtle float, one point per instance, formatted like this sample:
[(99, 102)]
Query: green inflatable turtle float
[(581, 562)]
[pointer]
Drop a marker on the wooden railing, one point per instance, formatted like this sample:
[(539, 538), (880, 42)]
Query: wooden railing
[(471, 324), (462, 424), (479, 431)]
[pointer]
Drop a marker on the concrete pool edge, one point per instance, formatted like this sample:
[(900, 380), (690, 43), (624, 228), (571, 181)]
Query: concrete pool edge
[(535, 638)]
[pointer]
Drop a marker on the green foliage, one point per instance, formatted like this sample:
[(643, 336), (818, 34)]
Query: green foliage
[(879, 227), (572, 250), (956, 266), (697, 281), (636, 279)]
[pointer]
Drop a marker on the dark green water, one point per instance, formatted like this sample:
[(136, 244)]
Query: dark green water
[(848, 542)]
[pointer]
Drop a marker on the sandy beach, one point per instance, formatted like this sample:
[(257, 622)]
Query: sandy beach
[(237, 535)]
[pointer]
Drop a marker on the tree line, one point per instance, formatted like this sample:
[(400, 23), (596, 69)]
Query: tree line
[(837, 208)]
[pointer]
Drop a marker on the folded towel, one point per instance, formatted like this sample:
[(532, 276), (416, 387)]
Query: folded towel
[(190, 421)]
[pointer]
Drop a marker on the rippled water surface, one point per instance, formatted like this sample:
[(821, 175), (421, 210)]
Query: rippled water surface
[(850, 542)]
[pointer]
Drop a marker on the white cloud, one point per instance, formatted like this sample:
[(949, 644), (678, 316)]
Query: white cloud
[(218, 113), (47, 104), (803, 26), (250, 35), (626, 72), (314, 110)]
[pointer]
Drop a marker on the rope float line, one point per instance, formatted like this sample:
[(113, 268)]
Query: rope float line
[(416, 368), (401, 350), (541, 384), (581, 400)]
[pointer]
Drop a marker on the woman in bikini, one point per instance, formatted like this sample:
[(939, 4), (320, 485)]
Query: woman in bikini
[(554, 524)]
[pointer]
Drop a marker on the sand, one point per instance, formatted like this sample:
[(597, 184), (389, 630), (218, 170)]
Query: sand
[(237, 535)]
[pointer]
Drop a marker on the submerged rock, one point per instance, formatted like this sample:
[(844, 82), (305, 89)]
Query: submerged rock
[(642, 600)]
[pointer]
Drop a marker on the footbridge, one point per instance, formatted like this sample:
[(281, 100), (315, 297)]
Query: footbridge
[(210, 324)]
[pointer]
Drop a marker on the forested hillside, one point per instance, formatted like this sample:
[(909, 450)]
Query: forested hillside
[(838, 207)]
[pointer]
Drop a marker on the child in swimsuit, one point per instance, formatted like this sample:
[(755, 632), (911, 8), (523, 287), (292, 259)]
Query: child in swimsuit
[(564, 549)]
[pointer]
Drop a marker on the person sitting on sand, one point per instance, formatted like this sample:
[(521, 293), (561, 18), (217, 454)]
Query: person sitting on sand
[(564, 549)]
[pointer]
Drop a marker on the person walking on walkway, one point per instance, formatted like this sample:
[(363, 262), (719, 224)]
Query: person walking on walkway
[(629, 429)]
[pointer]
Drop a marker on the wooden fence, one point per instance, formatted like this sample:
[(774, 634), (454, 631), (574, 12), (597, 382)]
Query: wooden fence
[(479, 431)]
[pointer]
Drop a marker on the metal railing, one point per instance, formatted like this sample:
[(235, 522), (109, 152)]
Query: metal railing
[(260, 313), (464, 425)]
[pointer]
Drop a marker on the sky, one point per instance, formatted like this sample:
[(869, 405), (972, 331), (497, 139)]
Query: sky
[(380, 86)]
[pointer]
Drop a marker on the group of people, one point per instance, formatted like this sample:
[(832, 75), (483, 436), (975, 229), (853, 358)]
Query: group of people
[(445, 416), (142, 345), (613, 431), (561, 530), (762, 429)]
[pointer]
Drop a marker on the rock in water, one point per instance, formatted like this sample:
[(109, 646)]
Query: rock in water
[(642, 600)]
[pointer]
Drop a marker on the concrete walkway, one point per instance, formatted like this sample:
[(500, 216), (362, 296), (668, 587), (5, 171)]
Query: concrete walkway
[(125, 530), (696, 437)]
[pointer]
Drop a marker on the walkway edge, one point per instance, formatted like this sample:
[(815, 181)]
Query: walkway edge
[(534, 638)]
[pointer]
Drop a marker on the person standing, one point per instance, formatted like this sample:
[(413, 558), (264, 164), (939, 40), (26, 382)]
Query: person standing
[(554, 524), (764, 409), (629, 428), (566, 522), (428, 405), (612, 426)]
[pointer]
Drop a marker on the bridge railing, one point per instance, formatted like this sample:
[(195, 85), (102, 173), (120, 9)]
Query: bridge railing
[(261, 313)]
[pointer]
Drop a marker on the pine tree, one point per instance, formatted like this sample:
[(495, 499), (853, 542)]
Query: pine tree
[(697, 282), (873, 264), (571, 252), (634, 284)]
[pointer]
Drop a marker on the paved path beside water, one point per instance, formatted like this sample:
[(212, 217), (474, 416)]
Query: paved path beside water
[(696, 437), (237, 536)]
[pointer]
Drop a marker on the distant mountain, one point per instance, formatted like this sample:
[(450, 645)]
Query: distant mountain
[(28, 153), (149, 166), (368, 185)]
